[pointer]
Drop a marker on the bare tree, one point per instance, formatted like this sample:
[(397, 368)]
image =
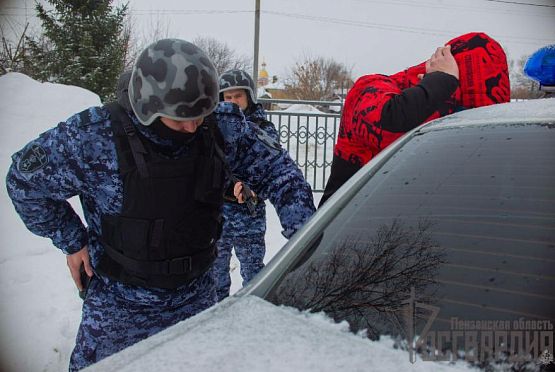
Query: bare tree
[(223, 57), (12, 55), (318, 78), (366, 281), (139, 37)]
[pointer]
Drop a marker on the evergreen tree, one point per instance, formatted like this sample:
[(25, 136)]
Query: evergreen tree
[(84, 43)]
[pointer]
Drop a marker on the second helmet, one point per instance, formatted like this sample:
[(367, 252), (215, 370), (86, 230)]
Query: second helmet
[(237, 79), (175, 79)]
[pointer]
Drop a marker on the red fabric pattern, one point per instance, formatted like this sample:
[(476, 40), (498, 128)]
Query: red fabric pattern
[(484, 80)]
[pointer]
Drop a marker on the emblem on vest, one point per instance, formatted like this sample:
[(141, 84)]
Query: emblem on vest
[(33, 159)]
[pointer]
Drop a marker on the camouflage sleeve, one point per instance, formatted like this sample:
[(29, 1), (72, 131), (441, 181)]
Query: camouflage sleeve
[(283, 183), (43, 175), (270, 129), (260, 161)]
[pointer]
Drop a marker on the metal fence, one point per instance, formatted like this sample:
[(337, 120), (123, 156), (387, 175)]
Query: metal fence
[(308, 135)]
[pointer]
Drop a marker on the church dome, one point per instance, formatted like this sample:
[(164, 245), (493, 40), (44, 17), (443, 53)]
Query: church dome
[(263, 77)]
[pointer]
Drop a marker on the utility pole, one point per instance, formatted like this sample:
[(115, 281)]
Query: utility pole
[(256, 41)]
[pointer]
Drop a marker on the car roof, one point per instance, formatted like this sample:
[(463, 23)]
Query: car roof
[(517, 112)]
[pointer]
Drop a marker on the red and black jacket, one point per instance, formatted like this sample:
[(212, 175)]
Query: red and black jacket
[(379, 109)]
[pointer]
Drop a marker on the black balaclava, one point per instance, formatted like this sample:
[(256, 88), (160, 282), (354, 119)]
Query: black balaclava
[(178, 138)]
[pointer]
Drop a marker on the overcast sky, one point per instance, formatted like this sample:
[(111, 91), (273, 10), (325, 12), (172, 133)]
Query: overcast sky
[(371, 36)]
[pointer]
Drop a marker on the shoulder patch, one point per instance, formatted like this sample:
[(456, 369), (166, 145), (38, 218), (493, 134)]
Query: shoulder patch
[(33, 159), (267, 139)]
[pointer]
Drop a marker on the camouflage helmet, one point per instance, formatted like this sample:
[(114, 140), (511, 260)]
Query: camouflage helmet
[(175, 79), (237, 79)]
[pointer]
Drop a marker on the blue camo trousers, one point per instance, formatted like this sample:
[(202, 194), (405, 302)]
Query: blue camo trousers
[(244, 233), (110, 324), (250, 251)]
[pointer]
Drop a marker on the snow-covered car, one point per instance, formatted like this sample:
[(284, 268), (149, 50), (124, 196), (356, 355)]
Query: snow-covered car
[(439, 252)]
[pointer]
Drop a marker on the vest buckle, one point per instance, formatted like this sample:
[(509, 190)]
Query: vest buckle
[(179, 266)]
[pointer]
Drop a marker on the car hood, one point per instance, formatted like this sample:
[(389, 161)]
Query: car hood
[(250, 334)]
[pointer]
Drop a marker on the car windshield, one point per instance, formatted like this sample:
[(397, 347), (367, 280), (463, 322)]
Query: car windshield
[(457, 226)]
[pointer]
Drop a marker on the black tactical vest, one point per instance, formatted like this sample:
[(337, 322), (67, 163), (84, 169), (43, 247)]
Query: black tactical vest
[(171, 218)]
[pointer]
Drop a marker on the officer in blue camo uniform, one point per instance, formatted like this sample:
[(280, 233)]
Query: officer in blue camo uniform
[(243, 230), (151, 186)]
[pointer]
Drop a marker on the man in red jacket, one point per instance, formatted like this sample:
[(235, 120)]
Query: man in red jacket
[(470, 71)]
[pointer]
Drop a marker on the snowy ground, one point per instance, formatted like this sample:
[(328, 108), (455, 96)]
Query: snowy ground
[(40, 309)]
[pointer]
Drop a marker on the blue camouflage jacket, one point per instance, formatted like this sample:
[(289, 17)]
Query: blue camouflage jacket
[(259, 114), (78, 158), (269, 131), (239, 221)]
